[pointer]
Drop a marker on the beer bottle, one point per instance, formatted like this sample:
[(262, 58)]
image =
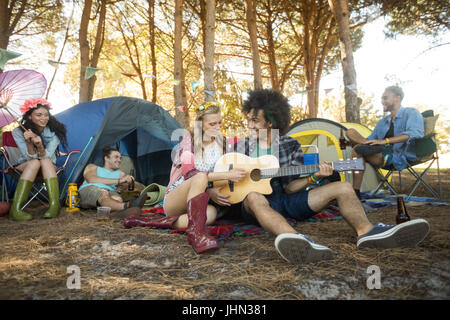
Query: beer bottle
[(402, 215), (342, 141), (131, 184)]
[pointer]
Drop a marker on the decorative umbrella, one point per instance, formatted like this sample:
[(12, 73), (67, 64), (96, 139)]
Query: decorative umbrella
[(17, 86), (5, 118)]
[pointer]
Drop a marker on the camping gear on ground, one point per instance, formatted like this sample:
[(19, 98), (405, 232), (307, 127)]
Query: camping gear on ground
[(142, 131), (17, 86), (325, 135), (72, 199), (155, 193)]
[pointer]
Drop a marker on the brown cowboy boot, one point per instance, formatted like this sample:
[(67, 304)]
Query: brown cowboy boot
[(198, 236), (152, 222)]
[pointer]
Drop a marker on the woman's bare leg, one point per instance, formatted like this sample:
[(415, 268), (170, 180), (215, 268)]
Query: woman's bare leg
[(29, 169), (176, 201)]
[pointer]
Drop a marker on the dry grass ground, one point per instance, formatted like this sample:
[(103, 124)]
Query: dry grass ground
[(141, 263)]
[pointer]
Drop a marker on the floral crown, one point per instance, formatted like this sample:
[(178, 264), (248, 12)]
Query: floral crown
[(205, 106), (33, 103)]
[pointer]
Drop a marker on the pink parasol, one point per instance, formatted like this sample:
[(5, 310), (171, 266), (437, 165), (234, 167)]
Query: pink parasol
[(5, 118), (17, 86)]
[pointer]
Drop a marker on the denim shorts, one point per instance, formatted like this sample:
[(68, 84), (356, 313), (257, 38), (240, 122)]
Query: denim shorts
[(294, 206)]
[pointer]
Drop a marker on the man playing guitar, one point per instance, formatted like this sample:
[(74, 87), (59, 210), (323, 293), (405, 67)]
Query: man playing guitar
[(268, 114)]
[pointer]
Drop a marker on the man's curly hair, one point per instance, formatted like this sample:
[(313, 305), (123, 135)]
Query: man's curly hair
[(274, 104)]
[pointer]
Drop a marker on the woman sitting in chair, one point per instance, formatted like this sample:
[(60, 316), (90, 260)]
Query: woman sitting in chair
[(38, 145)]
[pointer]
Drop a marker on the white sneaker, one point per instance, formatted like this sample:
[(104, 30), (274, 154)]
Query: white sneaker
[(297, 248)]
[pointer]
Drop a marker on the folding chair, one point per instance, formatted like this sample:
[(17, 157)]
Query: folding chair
[(10, 154), (427, 152)]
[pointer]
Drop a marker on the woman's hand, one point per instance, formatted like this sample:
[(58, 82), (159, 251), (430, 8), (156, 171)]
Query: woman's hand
[(37, 141), (236, 174), (29, 135), (217, 197)]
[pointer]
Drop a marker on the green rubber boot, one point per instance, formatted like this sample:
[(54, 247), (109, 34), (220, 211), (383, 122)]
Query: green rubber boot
[(53, 195), (20, 196)]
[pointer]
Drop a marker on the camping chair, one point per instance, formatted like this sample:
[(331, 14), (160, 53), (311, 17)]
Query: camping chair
[(427, 152), (10, 154)]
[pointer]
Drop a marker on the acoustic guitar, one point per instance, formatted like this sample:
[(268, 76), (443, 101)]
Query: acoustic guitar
[(262, 169)]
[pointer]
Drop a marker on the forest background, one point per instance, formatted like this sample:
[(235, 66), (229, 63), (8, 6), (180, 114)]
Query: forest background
[(180, 53)]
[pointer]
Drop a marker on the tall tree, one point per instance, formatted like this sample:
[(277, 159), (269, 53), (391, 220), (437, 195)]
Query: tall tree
[(126, 24), (151, 27), (250, 10), (316, 24), (181, 114), (428, 17), (342, 16), (24, 18), (88, 58), (209, 50)]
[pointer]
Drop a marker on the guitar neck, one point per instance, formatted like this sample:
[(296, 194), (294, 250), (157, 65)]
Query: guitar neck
[(289, 171)]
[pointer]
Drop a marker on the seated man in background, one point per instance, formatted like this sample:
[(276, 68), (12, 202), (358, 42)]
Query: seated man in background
[(102, 186), (392, 140)]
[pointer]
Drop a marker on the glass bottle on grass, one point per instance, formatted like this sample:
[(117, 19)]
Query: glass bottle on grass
[(402, 215)]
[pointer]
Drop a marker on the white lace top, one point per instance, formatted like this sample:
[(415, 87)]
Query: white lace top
[(211, 154)]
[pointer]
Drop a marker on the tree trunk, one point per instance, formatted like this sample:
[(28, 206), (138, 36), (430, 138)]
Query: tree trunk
[(209, 50), (4, 24), (253, 32), (271, 51), (87, 86), (151, 15), (181, 114), (84, 49), (341, 14)]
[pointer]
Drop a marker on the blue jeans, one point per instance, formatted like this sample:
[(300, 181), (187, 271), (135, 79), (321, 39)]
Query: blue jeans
[(294, 206)]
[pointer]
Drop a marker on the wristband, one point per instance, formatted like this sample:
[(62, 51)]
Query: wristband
[(387, 141), (313, 178)]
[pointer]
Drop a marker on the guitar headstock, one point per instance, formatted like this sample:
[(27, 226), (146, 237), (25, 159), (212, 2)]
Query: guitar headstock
[(349, 165)]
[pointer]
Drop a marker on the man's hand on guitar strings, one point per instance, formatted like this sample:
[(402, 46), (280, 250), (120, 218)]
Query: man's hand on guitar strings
[(325, 170)]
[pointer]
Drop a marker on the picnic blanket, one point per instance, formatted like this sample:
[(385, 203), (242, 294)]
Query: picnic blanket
[(225, 229), (384, 200)]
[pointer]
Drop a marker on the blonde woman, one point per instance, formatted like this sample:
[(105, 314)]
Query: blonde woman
[(186, 200)]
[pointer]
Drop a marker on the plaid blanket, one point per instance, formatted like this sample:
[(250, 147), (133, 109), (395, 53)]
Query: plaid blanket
[(225, 230)]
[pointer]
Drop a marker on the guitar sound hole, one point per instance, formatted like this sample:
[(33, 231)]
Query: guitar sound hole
[(255, 175)]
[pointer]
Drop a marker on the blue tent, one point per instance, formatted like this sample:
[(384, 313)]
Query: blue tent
[(141, 130)]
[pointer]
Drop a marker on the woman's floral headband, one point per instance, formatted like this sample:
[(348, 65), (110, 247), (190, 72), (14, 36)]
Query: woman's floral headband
[(205, 106), (33, 103)]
